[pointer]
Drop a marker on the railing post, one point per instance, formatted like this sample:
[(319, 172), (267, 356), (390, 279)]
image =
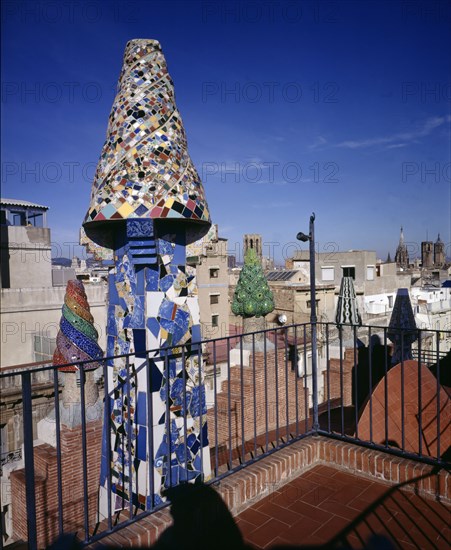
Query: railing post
[(313, 324), (29, 460)]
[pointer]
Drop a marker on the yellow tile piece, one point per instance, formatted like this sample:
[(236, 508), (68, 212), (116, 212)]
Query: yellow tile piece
[(125, 210)]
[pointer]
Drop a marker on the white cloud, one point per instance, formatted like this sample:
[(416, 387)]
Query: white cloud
[(428, 126)]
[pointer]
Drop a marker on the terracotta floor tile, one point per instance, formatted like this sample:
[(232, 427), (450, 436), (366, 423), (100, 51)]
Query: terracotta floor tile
[(304, 485), (281, 542), (287, 516), (310, 511), (354, 541), (374, 492), (324, 470), (300, 530), (331, 528), (290, 495), (264, 535), (339, 509), (255, 517), (245, 527)]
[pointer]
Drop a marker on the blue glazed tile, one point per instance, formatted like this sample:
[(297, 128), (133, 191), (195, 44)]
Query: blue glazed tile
[(137, 317), (177, 391), (195, 333), (140, 276), (166, 282), (139, 338), (182, 319), (162, 451), (142, 442), (166, 309), (154, 326), (112, 291), (152, 279), (177, 334), (197, 463), (156, 377), (181, 451), (168, 325), (164, 247), (195, 447), (198, 403), (124, 347), (174, 435), (141, 409), (156, 501)]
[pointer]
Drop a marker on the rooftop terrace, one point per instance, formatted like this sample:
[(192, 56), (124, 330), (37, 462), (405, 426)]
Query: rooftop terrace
[(367, 455)]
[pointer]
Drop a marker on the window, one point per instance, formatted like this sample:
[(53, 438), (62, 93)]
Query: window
[(43, 347), (214, 272), (18, 218), (370, 272), (215, 320), (327, 273), (390, 302), (214, 299), (309, 304), (349, 271)]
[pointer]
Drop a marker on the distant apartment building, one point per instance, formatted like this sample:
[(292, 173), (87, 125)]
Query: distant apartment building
[(25, 245), (31, 294), (291, 290), (375, 283), (432, 307), (210, 258)]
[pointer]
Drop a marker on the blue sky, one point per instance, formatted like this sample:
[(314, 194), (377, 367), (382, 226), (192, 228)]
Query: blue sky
[(341, 108)]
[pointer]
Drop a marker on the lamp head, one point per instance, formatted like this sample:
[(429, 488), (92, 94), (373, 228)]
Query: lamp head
[(302, 237)]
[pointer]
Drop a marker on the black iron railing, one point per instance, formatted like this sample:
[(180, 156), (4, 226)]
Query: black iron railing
[(258, 398)]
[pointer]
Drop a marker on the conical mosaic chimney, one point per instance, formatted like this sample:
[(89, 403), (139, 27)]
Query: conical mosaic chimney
[(144, 170), (347, 311), (77, 336), (402, 329), (147, 205), (77, 341)]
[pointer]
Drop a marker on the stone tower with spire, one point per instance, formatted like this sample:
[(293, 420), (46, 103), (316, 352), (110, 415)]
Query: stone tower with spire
[(439, 252), (402, 256), (427, 254)]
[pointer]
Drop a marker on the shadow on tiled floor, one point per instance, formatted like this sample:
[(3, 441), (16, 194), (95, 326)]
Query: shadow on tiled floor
[(329, 507)]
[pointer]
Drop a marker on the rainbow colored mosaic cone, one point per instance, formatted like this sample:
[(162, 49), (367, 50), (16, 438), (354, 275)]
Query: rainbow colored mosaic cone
[(77, 337), (144, 170)]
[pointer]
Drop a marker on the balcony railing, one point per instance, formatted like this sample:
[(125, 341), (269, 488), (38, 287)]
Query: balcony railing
[(258, 398)]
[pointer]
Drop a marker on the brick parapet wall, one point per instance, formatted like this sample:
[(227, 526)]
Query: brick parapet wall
[(46, 485), (261, 479), (262, 403), (332, 378)]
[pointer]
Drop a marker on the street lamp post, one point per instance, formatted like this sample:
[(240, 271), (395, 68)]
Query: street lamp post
[(311, 238)]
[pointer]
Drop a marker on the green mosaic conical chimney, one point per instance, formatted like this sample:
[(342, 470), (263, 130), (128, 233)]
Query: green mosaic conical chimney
[(253, 297)]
